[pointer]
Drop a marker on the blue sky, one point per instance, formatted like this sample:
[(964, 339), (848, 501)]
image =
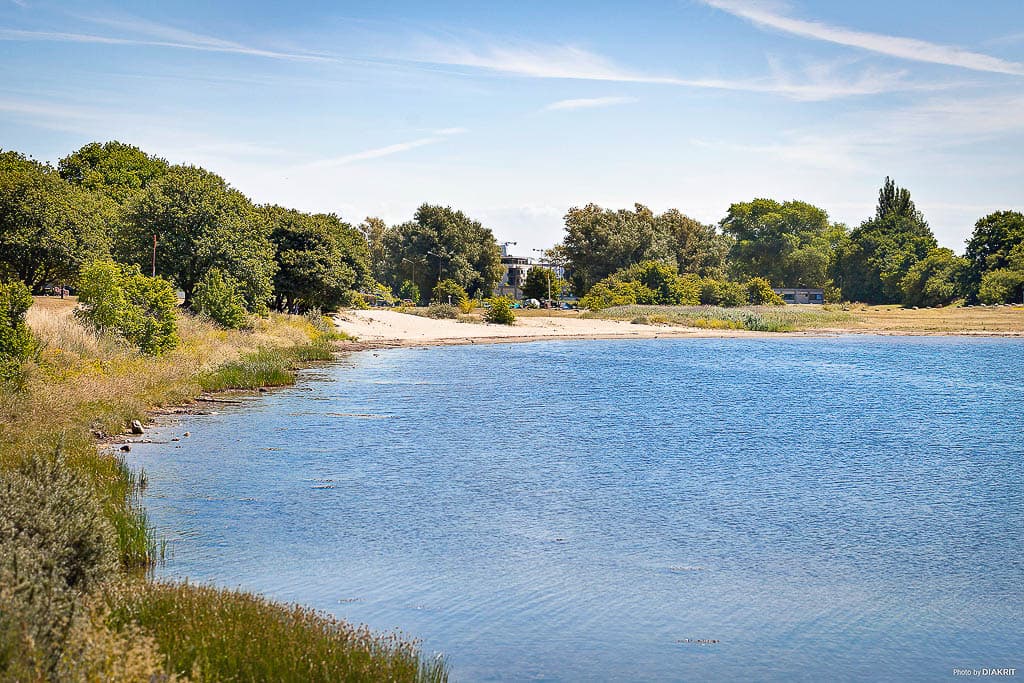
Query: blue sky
[(514, 112)]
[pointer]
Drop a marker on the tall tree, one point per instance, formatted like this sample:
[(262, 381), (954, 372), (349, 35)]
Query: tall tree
[(441, 243), (599, 242), (320, 259), (116, 169), (543, 283), (989, 247), (935, 280), (373, 231), (48, 228), (870, 267), (200, 223), (791, 244)]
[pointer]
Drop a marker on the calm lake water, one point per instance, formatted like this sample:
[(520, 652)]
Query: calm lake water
[(822, 509)]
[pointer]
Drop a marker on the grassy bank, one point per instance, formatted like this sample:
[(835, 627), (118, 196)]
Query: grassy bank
[(999, 320), (754, 318), (82, 387)]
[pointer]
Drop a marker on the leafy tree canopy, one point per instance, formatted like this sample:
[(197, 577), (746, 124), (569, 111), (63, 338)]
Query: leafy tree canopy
[(871, 265), (988, 249), (935, 280), (442, 243), (599, 242), (201, 223), (791, 244), (116, 169), (48, 228), (540, 282), (321, 260)]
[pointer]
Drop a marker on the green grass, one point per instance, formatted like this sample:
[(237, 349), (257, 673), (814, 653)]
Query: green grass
[(753, 318), (220, 635), (267, 367)]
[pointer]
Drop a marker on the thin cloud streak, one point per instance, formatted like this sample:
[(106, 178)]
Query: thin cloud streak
[(221, 46), (589, 103), (573, 63), (893, 46), (377, 152)]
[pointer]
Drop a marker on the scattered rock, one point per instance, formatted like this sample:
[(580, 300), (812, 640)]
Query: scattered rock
[(187, 434), (136, 427), (699, 641), (175, 439), (125, 448), (263, 390)]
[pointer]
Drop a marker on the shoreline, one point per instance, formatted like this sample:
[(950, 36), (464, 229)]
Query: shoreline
[(386, 329)]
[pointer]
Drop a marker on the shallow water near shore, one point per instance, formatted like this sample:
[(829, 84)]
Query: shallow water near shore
[(692, 509)]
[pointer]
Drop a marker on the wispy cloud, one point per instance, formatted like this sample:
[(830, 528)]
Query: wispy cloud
[(589, 103), (573, 63), (147, 33), (893, 46), (388, 150)]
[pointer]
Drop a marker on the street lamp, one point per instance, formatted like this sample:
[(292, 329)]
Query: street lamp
[(549, 279)]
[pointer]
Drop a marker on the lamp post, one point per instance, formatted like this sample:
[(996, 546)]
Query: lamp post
[(413, 262)]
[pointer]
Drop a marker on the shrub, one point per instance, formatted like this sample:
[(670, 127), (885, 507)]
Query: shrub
[(500, 311), (1001, 286), (219, 297), (55, 545), (607, 294), (442, 311), (139, 309), (449, 292), (760, 293), (722, 293), (16, 341)]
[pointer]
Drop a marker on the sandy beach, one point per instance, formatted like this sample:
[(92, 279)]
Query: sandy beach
[(383, 328)]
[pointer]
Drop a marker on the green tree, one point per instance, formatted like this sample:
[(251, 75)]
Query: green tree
[(598, 242), (373, 231), (118, 170), (409, 291), (450, 292), (542, 283), (219, 297), (321, 260), (48, 228), (121, 300), (649, 283), (202, 223), (871, 265), (1005, 285), (988, 249), (935, 280), (442, 243), (791, 244)]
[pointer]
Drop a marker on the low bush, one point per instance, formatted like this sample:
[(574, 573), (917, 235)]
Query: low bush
[(760, 293), (500, 311), (218, 296), (442, 311), (121, 300)]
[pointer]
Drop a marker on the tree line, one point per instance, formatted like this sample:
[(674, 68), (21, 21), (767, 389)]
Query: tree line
[(890, 258), (230, 257)]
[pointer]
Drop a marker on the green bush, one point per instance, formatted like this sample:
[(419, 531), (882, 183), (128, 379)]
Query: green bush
[(650, 282), (722, 293), (452, 289), (120, 299), (219, 297), (442, 311), (1001, 286), (409, 291), (16, 341), (500, 311), (55, 546), (760, 293)]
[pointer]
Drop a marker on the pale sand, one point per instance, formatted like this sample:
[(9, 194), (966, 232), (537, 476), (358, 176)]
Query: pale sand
[(382, 327)]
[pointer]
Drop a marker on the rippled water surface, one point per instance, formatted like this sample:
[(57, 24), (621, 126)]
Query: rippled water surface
[(822, 509)]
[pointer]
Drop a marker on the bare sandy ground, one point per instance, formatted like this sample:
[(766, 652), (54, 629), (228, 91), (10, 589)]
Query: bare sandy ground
[(382, 327)]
